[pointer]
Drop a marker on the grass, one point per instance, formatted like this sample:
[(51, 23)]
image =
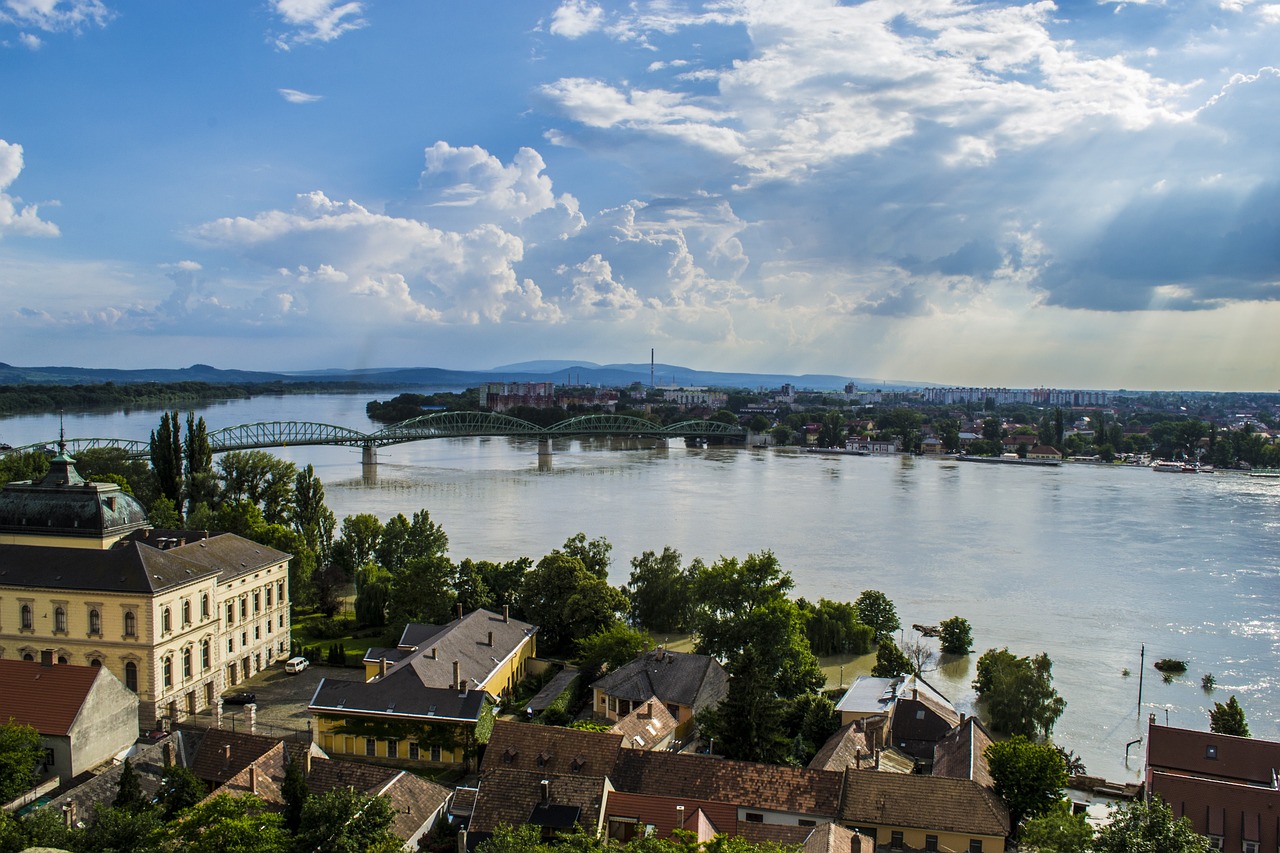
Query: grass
[(309, 629)]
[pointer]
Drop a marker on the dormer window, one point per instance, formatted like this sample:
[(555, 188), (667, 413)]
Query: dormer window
[(1211, 752)]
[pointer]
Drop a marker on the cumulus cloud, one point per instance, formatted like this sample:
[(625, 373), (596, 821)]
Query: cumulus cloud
[(576, 18), (53, 15), (294, 96), (317, 20), (14, 217)]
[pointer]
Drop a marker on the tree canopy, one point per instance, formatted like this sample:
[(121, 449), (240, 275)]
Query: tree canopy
[(1228, 719), (1142, 827), (20, 752), (1017, 693), (1028, 776), (875, 609)]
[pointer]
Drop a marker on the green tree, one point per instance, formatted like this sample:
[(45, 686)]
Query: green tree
[(310, 517), (166, 457), (200, 481), (567, 601), (261, 479), (470, 587), (20, 752), (1058, 830), (344, 820), (116, 830), (956, 636), (1228, 719), (163, 514), (359, 540), (660, 592), (890, 661), (875, 609), (611, 647), (295, 793), (593, 553), (833, 628), (1017, 693), (129, 794), (227, 824), (748, 723), (180, 789), (1148, 827), (809, 720), (1028, 776), (421, 591)]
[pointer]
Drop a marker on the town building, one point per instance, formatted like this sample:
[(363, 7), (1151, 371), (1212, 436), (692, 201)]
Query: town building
[(696, 398), (685, 683), (176, 615), (1225, 785), (84, 715), (504, 396), (423, 700)]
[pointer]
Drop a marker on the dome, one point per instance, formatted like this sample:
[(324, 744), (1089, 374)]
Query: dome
[(66, 504)]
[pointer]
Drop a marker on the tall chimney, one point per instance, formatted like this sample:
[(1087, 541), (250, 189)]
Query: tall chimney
[(69, 814), (459, 609), (226, 753), (546, 791), (253, 779), (506, 613), (217, 713), (382, 666), (306, 768), (457, 675), (433, 652)]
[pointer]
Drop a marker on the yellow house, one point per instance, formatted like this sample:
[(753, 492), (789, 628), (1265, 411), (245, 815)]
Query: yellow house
[(913, 812), (424, 700), (175, 615)]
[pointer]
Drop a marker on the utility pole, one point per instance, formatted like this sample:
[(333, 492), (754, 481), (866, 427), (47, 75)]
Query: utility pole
[(1142, 665)]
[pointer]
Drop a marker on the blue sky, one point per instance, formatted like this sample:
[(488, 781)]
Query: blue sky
[(1082, 194)]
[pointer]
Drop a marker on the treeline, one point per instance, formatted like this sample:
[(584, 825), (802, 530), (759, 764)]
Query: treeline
[(402, 407), (43, 399)]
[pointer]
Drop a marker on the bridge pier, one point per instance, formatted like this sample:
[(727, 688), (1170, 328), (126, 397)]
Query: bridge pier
[(369, 464), (544, 447)]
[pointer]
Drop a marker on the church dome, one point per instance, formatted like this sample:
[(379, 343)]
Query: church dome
[(66, 504)]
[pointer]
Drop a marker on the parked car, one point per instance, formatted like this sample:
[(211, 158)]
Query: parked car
[(296, 664), (239, 697)]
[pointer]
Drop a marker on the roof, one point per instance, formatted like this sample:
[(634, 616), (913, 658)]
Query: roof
[(918, 724), (764, 786), (149, 762), (231, 555), (552, 749), (557, 800), (868, 695), (961, 754), (846, 748), (680, 678), (923, 802), (397, 694), (479, 642), (221, 754), (646, 727), (65, 504), (129, 567), (47, 698), (833, 838), (1238, 759)]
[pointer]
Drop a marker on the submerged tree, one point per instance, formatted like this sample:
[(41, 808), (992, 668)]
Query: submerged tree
[(1228, 719), (1017, 693)]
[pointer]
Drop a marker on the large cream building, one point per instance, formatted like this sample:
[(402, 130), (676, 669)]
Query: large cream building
[(177, 616)]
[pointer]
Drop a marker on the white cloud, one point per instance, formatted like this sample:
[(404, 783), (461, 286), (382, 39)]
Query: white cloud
[(294, 96), (317, 20), (54, 15), (30, 41), (576, 18), (14, 217)]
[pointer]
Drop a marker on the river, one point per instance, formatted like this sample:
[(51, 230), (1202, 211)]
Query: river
[(1086, 563)]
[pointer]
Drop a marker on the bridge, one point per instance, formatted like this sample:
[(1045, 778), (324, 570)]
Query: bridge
[(437, 425)]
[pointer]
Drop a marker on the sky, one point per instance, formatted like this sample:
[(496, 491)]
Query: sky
[(1079, 194)]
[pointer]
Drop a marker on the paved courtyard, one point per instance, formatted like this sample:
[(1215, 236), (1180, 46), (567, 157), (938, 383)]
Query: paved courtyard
[(282, 697)]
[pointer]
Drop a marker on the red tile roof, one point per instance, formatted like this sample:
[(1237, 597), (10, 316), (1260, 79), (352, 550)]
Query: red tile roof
[(47, 698)]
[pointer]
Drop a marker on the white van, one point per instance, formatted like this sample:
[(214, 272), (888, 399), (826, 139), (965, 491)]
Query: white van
[(296, 664)]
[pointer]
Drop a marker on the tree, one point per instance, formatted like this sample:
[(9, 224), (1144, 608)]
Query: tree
[(227, 824), (295, 793), (832, 628), (20, 752), (594, 554), (344, 820), (890, 661), (1228, 719), (421, 591), (1028, 776), (261, 479), (1148, 827), (360, 537), (129, 794), (809, 720), (567, 601), (875, 609), (180, 789), (612, 647), (163, 514), (166, 457), (747, 724), (660, 592), (1058, 830), (470, 587), (919, 653), (116, 830), (201, 482), (956, 636), (1017, 693)]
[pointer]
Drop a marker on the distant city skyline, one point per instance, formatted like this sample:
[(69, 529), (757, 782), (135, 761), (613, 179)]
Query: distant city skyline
[(1080, 195)]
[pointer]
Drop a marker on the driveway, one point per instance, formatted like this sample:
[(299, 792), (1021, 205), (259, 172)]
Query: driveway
[(282, 697)]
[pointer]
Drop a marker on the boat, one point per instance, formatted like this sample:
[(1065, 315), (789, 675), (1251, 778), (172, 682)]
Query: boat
[(1008, 459), (838, 451), (1166, 467)]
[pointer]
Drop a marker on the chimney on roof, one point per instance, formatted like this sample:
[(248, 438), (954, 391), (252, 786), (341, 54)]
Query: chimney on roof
[(306, 767), (457, 675), (546, 792), (382, 666), (69, 814), (217, 713), (182, 541), (226, 753), (459, 609), (490, 639), (46, 657), (253, 779), (648, 709), (433, 652), (680, 816), (915, 694), (506, 613)]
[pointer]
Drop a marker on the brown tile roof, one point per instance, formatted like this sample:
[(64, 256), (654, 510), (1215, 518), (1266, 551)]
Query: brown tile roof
[(833, 838), (961, 754), (771, 833), (846, 748), (550, 749), (681, 678), (47, 698), (647, 727), (1186, 751), (664, 813), (1237, 812), (922, 802), (762, 786), (222, 754), (510, 796)]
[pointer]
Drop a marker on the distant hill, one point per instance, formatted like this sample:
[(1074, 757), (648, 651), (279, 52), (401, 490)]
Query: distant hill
[(559, 371)]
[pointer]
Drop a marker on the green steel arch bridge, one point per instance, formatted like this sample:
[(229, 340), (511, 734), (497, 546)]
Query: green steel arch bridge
[(268, 434)]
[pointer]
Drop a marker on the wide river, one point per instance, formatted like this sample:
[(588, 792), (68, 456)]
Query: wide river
[(1083, 562)]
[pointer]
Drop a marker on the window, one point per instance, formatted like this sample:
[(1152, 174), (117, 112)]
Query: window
[(1215, 842), (623, 829), (62, 659), (95, 623), (231, 644), (28, 656), (95, 662), (1249, 846), (60, 620), (244, 639), (268, 626), (280, 591), (26, 617), (186, 662), (257, 603), (204, 606), (231, 613), (257, 632), (435, 754), (268, 597), (280, 620), (975, 845), (393, 749), (895, 840), (244, 609), (1211, 752), (166, 621), (130, 624), (186, 612), (131, 676), (931, 842), (167, 669), (204, 655), (413, 750), (755, 817), (370, 747)]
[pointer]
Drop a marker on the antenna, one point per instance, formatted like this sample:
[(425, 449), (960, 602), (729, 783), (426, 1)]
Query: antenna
[(650, 367)]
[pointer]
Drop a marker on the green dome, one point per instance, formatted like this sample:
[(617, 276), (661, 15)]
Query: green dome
[(66, 504)]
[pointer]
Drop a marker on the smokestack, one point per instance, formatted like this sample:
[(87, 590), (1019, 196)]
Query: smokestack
[(433, 652), (226, 753), (546, 791), (69, 814)]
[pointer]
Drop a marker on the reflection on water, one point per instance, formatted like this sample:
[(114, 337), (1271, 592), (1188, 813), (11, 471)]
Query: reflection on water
[(1086, 563)]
